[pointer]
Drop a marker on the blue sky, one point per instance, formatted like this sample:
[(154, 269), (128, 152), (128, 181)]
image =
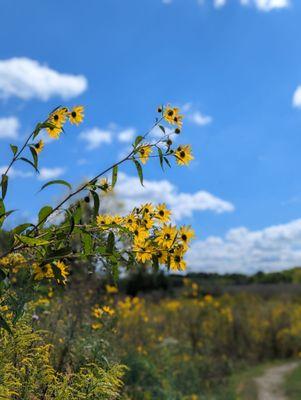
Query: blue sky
[(233, 66)]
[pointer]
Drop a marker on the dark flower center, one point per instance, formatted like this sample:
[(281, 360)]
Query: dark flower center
[(161, 213), (182, 154), (170, 113), (55, 117), (167, 236), (184, 237), (73, 114), (177, 259)]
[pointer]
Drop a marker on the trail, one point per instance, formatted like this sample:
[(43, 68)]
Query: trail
[(270, 384)]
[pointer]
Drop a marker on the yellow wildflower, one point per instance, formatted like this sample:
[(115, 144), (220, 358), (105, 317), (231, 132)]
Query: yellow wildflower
[(147, 209), (183, 155), (143, 252), (166, 236), (144, 153), (54, 131), (102, 220), (140, 234), (130, 222), (162, 213), (185, 235), (108, 310), (76, 115), (42, 271), (97, 312), (111, 289), (96, 325), (104, 185), (176, 261), (39, 146), (58, 117), (63, 269)]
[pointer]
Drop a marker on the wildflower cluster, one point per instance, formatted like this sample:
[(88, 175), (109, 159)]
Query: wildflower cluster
[(153, 237)]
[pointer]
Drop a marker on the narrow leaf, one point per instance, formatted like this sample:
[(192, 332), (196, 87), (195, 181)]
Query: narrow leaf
[(43, 214), (96, 203), (138, 140), (139, 170), (160, 153), (14, 149), (57, 182), (110, 242), (29, 162), (34, 156), (4, 325), (114, 175), (32, 241), (4, 183)]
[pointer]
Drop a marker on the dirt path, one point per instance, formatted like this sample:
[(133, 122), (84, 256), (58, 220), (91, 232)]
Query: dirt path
[(271, 382)]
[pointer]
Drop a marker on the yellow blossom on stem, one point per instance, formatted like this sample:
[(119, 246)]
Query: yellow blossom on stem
[(144, 153), (185, 234), (143, 252), (162, 213), (39, 146), (183, 155), (166, 236), (76, 115), (177, 262)]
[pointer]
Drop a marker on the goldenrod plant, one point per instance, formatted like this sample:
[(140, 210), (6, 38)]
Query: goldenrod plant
[(43, 251)]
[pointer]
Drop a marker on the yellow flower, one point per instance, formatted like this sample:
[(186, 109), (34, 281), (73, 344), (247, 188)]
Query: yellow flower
[(162, 213), (111, 289), (54, 131), (108, 310), (162, 256), (58, 117), (102, 220), (97, 312), (147, 222), (147, 209), (76, 115), (140, 234), (130, 222), (39, 146), (104, 185), (183, 155), (143, 252), (116, 219), (63, 269), (166, 236), (185, 235), (172, 116), (176, 261), (42, 271), (96, 326), (144, 153)]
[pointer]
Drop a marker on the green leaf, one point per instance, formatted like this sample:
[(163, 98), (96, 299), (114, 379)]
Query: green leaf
[(14, 149), (162, 128), (2, 212), (138, 140), (139, 170), (110, 243), (114, 175), (6, 214), (34, 156), (4, 183), (21, 228), (87, 243), (2, 275), (29, 162), (57, 182), (32, 241), (160, 154), (43, 214), (4, 325), (167, 162), (96, 203)]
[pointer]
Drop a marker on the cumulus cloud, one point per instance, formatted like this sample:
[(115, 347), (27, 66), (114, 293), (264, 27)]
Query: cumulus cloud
[(9, 128), (95, 137), (266, 5), (297, 97), (27, 79), (50, 173), (131, 193), (199, 119), (16, 173), (241, 250), (126, 135)]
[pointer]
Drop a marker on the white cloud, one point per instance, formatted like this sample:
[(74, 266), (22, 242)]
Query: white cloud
[(130, 191), (199, 119), (9, 128), (126, 135), (219, 3), (50, 173), (16, 173), (270, 249), (95, 137), (27, 79), (267, 5), (297, 97)]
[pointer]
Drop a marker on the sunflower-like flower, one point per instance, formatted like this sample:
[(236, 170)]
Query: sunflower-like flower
[(162, 256), (177, 262), (42, 271), (147, 221), (166, 236), (143, 252), (172, 116), (185, 234), (63, 270), (144, 153), (147, 209), (102, 220), (183, 155), (54, 131), (162, 213), (140, 234), (58, 117), (96, 312), (76, 115), (105, 186), (130, 222), (39, 146), (108, 310)]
